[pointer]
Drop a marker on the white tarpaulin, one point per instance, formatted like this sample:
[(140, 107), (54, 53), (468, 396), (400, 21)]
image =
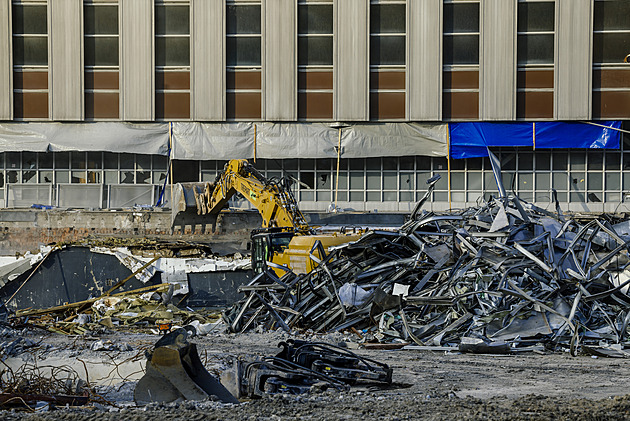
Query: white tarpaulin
[(103, 136), (224, 141), (306, 140)]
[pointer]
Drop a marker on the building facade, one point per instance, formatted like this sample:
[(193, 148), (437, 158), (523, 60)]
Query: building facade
[(161, 69)]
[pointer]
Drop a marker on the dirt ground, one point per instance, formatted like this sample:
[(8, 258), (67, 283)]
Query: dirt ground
[(427, 385)]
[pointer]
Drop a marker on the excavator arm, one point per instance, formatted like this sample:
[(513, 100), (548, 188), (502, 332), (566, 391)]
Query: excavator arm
[(273, 199)]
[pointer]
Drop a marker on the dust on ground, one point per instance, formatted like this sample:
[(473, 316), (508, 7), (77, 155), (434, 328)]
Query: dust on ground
[(427, 385)]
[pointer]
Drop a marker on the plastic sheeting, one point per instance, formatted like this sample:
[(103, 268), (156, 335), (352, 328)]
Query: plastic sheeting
[(103, 136), (471, 140), (306, 140)]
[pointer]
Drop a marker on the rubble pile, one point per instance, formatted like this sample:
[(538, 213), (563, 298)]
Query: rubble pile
[(505, 276), (148, 308)]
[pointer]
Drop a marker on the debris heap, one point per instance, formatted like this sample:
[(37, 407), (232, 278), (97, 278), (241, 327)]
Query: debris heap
[(507, 275)]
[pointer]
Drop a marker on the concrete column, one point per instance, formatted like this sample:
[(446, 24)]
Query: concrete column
[(280, 60), (6, 61), (208, 60), (574, 60), (65, 60), (497, 92), (424, 59), (137, 64), (352, 60)]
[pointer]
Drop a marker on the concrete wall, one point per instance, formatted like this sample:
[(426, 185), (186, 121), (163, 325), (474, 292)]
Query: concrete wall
[(27, 230)]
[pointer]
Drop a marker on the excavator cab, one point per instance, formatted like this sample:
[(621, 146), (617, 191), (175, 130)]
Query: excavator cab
[(266, 243)]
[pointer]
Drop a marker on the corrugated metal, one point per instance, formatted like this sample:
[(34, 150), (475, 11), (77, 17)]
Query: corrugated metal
[(574, 58), (280, 60), (6, 62), (352, 28), (137, 62), (498, 60), (424, 59), (66, 65), (208, 60)]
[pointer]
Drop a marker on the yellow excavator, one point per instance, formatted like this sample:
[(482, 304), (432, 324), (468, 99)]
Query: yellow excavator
[(285, 239)]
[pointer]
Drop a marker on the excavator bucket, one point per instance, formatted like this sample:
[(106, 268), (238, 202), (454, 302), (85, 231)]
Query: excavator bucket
[(175, 372), (189, 207)]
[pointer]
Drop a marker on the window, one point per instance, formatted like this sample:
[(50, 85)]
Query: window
[(172, 60), (387, 60), (315, 60), (101, 61), (611, 59), (243, 44), (535, 56), (30, 60), (461, 60)]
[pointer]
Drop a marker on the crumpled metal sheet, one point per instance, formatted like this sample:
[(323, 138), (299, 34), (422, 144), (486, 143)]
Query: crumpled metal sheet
[(505, 271)]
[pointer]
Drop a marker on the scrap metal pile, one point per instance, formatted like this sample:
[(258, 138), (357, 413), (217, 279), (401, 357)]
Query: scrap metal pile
[(507, 273)]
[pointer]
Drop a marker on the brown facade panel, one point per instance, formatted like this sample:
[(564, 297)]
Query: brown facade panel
[(102, 80), (31, 105), (312, 105), (102, 105), (30, 80), (460, 105), (387, 105), (315, 80), (172, 105), (534, 105), (172, 80), (611, 105), (240, 105), (387, 80), (243, 80), (611, 78), (532, 79), (462, 79)]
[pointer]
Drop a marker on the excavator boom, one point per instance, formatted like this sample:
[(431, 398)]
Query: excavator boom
[(272, 198)]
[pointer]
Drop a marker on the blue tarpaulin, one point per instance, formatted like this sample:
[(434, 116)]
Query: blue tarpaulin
[(470, 140)]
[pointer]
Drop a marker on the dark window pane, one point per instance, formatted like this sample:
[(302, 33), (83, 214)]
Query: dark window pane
[(535, 49), (387, 50), (45, 160), (387, 18), (101, 51), (315, 19), (536, 16), (78, 160), (243, 51), (170, 20), (30, 51), (243, 19), (29, 20), (610, 48), (611, 15), (315, 50), (172, 51), (461, 49), (101, 20), (62, 160), (461, 17)]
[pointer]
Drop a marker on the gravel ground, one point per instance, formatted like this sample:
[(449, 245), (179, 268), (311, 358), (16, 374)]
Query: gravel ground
[(427, 385)]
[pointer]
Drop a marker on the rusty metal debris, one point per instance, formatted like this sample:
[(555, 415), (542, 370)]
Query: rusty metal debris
[(507, 274), (28, 385)]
